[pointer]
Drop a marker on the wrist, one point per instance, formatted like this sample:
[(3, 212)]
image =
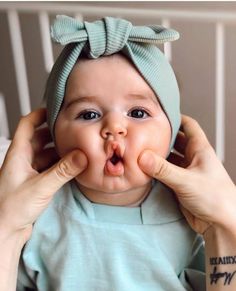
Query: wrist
[(220, 236), (11, 245), (220, 248), (16, 238)]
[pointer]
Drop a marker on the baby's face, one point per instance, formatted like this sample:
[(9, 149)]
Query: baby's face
[(112, 115)]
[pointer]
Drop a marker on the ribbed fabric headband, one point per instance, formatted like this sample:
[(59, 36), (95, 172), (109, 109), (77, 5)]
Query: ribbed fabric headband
[(106, 37)]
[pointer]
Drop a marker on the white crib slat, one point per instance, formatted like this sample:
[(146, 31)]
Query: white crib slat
[(46, 40), (220, 91), (167, 45), (4, 128), (19, 61)]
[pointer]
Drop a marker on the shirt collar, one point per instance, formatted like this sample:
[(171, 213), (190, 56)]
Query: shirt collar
[(159, 207)]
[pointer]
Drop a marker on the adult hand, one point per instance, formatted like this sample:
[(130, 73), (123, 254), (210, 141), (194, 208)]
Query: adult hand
[(205, 191), (27, 184)]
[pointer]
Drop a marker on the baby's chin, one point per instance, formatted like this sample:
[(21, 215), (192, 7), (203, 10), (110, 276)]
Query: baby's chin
[(113, 185), (115, 194)]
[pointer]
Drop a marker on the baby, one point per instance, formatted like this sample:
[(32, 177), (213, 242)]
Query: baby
[(112, 94)]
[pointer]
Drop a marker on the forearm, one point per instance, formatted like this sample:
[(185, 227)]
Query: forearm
[(10, 248), (220, 259)]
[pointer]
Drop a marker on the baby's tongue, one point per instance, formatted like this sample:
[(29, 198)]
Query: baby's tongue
[(114, 166)]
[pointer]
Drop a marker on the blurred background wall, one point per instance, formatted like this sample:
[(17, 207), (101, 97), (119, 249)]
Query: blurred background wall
[(193, 57)]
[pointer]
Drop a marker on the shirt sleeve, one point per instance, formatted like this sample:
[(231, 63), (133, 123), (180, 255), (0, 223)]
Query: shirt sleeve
[(193, 277)]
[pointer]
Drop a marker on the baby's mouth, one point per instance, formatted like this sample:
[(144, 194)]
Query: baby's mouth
[(115, 159), (115, 164)]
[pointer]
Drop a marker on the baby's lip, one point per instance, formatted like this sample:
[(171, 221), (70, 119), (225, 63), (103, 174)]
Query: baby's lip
[(114, 165), (114, 150)]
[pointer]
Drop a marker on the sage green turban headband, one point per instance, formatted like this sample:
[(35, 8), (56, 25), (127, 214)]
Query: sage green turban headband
[(106, 37)]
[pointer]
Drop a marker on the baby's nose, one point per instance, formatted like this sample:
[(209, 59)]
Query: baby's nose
[(114, 126)]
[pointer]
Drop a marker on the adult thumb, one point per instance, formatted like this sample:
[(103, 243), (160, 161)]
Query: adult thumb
[(63, 171), (162, 170)]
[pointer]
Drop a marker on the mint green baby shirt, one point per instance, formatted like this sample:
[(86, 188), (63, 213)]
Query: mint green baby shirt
[(79, 245)]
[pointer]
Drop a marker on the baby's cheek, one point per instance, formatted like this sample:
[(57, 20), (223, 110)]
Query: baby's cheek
[(63, 146), (75, 138), (92, 147), (159, 143), (142, 141)]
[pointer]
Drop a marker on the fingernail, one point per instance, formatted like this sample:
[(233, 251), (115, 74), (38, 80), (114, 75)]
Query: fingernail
[(80, 160), (146, 160)]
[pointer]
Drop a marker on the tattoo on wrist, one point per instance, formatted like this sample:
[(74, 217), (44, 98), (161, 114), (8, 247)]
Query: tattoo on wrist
[(216, 275), (228, 260)]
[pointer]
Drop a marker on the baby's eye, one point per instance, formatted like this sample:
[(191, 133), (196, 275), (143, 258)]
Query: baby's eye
[(89, 115), (138, 113)]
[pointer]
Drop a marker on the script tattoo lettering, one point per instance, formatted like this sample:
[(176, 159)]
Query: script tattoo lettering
[(215, 276)]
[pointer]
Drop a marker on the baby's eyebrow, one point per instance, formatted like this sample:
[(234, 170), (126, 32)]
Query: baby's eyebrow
[(145, 97), (94, 99), (82, 99)]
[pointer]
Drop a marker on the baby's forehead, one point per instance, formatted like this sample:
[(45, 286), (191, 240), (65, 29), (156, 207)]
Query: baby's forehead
[(88, 72)]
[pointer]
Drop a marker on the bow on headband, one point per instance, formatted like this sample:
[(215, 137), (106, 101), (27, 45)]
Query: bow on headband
[(107, 36)]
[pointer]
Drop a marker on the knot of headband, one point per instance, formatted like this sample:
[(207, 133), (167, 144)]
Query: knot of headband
[(107, 36)]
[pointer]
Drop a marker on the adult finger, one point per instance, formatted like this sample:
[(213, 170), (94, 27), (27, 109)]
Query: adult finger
[(192, 130), (65, 170), (27, 125), (160, 169), (196, 138)]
